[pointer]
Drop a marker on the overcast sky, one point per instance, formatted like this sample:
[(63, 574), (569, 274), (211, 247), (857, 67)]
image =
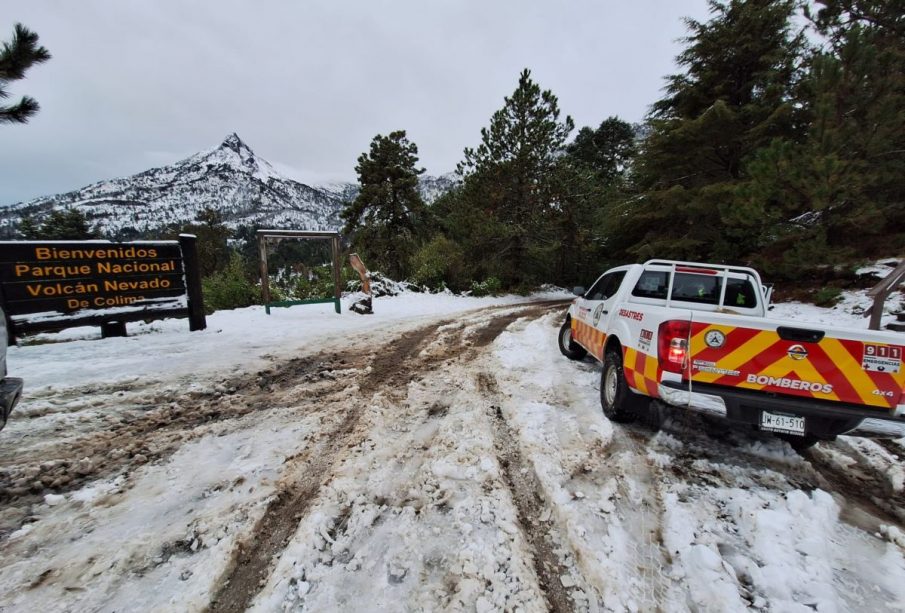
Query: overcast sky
[(135, 84)]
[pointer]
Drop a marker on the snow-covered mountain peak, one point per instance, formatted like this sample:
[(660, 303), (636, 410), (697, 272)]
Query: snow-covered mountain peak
[(235, 154), (235, 143)]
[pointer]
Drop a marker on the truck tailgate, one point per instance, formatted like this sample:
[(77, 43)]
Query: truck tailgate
[(861, 367)]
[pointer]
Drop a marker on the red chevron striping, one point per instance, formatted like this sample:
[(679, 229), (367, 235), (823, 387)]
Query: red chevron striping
[(757, 363), (841, 385), (883, 381), (734, 340)]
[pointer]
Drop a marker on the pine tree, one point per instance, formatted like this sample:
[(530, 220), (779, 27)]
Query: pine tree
[(59, 225), (386, 216), (16, 58), (508, 181), (592, 175), (838, 191), (606, 151), (733, 98)]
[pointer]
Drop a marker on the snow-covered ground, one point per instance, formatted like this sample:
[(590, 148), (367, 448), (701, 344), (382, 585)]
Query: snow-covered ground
[(234, 342), (439, 454)]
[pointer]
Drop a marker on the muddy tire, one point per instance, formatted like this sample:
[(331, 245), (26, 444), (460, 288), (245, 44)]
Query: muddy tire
[(799, 443), (652, 414), (619, 403), (820, 429), (567, 346)]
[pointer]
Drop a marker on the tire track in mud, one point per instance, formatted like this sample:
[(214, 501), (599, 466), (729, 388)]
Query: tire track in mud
[(653, 551), (700, 464), (389, 371), (864, 494), (526, 492), (133, 440), (255, 557)]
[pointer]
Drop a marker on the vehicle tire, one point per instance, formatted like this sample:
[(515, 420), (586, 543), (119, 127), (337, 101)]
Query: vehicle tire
[(619, 403), (567, 346), (820, 429), (652, 414), (800, 443)]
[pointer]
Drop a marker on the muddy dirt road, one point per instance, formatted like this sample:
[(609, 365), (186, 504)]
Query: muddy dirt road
[(460, 464)]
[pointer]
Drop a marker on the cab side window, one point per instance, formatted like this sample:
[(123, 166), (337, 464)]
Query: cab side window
[(613, 283), (704, 289), (652, 284), (596, 291), (740, 293), (606, 286)]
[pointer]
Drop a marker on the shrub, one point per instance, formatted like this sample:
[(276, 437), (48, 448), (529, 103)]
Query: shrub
[(438, 264), (827, 296), (488, 287), (310, 283), (230, 288), (318, 284)]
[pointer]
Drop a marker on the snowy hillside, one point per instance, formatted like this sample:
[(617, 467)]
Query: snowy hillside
[(430, 187), (229, 178)]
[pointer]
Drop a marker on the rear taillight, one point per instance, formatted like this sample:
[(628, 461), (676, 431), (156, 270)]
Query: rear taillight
[(672, 345)]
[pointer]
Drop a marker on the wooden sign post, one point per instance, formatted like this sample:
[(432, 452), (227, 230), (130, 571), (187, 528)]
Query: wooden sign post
[(53, 285), (274, 236)]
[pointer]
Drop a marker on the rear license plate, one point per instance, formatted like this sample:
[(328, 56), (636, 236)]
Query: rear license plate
[(787, 424)]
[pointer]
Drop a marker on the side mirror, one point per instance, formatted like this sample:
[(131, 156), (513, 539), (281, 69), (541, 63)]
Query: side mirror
[(578, 291)]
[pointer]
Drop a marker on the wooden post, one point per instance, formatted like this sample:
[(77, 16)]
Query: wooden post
[(197, 321), (337, 273), (10, 326), (881, 291), (361, 269), (114, 328), (265, 276), (364, 306)]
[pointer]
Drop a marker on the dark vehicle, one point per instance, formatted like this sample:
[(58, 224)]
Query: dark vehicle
[(10, 387)]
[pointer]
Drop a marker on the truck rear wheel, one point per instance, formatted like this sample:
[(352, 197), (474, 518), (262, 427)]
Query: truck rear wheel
[(799, 443), (619, 403), (567, 346), (820, 429)]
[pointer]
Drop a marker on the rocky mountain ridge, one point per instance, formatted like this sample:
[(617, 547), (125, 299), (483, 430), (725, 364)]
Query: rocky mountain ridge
[(229, 178)]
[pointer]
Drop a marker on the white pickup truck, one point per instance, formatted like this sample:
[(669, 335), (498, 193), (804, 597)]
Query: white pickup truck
[(696, 336)]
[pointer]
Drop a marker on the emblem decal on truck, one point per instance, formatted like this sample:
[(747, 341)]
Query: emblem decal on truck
[(597, 313), (797, 352), (715, 339), (645, 339)]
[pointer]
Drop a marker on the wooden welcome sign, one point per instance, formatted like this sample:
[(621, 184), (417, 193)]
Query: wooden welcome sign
[(52, 285)]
